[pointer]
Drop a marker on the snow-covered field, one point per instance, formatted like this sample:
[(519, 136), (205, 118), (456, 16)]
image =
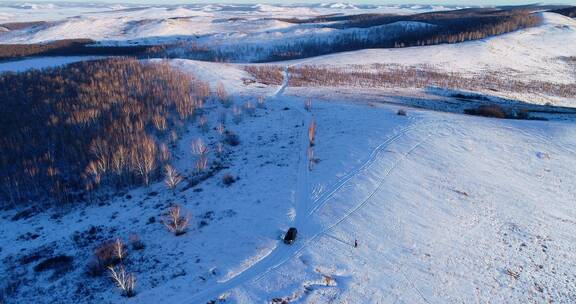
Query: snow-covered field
[(530, 54), (446, 208), (151, 24)]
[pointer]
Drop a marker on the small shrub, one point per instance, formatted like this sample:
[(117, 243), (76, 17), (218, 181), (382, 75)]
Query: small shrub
[(236, 114), (402, 112), (57, 263), (220, 128), (104, 256), (223, 96), (219, 149), (136, 242), (177, 220), (203, 123), (199, 148), (312, 132), (308, 104), (261, 102), (231, 138), (249, 108), (125, 281), (311, 160), (495, 111), (201, 164), (228, 179)]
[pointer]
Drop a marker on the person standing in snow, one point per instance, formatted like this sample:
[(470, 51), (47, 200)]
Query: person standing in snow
[(355, 243)]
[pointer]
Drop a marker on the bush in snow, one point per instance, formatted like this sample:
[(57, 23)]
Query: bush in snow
[(249, 108), (261, 102), (176, 220), (203, 123), (231, 138), (310, 158), (136, 242), (308, 104), (220, 128), (236, 114), (228, 179), (312, 132), (105, 255), (201, 163), (124, 280), (219, 149), (199, 148), (223, 96)]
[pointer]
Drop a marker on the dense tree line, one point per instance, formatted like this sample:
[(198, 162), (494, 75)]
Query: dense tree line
[(568, 11), (67, 131), (371, 31), (69, 47)]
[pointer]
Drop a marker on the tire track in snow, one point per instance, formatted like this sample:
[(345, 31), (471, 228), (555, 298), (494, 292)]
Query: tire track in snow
[(282, 254), (326, 195), (305, 243)]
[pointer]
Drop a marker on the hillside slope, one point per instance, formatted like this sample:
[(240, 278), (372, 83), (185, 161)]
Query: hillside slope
[(529, 54)]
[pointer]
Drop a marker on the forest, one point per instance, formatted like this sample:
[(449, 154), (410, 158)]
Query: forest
[(69, 131)]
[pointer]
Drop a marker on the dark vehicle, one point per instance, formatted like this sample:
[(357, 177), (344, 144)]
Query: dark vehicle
[(290, 236)]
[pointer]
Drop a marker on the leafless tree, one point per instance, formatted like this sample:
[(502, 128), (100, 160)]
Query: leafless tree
[(199, 148), (173, 178), (177, 220), (144, 158), (125, 281)]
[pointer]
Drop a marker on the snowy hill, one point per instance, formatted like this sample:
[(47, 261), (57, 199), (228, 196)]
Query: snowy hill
[(121, 23), (533, 53), (396, 200)]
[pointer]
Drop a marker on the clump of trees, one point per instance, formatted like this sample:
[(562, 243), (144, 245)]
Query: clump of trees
[(71, 130)]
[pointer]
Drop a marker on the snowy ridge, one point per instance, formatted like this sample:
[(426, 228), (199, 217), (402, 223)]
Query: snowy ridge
[(116, 24)]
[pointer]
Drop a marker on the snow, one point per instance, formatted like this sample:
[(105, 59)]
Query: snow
[(41, 63), (445, 207), (110, 24)]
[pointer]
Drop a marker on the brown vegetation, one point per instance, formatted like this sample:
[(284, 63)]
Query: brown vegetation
[(312, 132), (395, 76), (487, 111), (87, 125), (266, 75)]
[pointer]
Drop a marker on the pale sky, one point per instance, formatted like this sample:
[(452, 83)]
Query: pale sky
[(448, 2)]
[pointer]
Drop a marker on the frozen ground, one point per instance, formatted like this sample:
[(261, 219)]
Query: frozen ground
[(446, 208)]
